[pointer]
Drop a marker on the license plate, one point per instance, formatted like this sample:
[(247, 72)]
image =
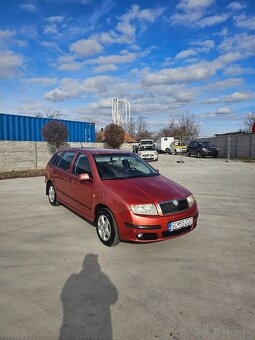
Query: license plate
[(176, 225)]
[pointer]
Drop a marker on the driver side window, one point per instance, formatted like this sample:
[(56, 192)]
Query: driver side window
[(82, 165)]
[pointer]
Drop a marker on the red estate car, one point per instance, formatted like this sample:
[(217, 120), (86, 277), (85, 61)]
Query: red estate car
[(124, 196)]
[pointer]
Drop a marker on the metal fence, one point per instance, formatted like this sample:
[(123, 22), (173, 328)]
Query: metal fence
[(241, 145)]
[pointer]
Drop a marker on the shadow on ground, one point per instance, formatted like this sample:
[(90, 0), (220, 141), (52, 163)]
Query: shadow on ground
[(86, 299)]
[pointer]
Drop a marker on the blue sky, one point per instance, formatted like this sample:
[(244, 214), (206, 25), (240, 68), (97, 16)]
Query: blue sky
[(165, 57)]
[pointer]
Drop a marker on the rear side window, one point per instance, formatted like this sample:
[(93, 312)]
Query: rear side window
[(66, 160), (55, 159)]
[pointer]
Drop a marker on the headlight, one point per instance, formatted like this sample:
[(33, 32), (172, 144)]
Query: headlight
[(144, 209), (204, 149), (191, 200)]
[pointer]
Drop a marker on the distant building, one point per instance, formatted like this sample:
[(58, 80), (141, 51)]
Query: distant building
[(27, 128)]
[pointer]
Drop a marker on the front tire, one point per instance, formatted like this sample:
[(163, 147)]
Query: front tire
[(52, 195), (199, 155), (188, 153), (107, 229)]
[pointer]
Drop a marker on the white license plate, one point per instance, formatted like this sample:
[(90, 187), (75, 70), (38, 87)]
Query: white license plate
[(186, 222)]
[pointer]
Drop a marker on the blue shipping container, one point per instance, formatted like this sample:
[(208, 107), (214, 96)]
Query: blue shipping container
[(26, 128)]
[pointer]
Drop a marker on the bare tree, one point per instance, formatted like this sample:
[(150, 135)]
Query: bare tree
[(55, 133), (249, 120), (114, 135), (138, 129), (184, 126), (49, 113), (130, 127)]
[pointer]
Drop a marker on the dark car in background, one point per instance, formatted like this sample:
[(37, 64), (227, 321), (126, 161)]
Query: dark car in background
[(202, 149)]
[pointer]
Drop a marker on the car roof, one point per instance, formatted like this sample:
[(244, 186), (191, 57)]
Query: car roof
[(95, 151)]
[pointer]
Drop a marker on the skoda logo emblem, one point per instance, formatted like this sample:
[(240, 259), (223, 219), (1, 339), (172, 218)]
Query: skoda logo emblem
[(176, 203)]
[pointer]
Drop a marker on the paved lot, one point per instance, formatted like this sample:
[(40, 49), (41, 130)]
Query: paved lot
[(199, 286)]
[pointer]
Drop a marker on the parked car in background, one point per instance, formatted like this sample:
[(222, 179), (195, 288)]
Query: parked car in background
[(202, 149), (148, 153), (178, 147), (121, 194)]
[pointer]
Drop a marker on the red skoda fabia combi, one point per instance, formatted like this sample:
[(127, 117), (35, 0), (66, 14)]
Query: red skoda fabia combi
[(124, 196)]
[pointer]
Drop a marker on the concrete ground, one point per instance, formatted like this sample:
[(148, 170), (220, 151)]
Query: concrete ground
[(198, 286)]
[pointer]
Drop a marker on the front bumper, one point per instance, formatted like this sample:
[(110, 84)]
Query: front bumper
[(149, 157), (153, 228), (210, 153)]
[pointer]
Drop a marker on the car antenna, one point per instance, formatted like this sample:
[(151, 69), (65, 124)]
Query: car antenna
[(81, 145)]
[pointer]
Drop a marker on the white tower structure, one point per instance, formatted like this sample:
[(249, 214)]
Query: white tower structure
[(120, 111)]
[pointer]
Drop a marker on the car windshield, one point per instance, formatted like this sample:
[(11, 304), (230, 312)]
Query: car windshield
[(206, 144), (146, 142), (122, 166), (145, 148)]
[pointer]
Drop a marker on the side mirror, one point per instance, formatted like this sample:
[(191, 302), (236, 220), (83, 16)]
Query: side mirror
[(84, 177), (157, 170)]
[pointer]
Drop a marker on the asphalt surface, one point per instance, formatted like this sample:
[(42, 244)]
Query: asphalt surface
[(58, 281)]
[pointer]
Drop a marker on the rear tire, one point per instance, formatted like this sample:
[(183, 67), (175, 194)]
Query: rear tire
[(52, 195), (167, 150), (107, 229), (188, 153)]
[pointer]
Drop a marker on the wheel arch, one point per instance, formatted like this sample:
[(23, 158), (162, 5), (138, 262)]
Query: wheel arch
[(49, 182), (97, 209)]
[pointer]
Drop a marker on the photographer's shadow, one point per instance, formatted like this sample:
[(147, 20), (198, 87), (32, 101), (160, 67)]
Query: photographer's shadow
[(86, 299)]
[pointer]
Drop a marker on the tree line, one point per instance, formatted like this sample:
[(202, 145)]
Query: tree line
[(184, 126)]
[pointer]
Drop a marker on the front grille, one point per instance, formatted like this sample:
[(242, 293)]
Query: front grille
[(173, 206), (175, 232)]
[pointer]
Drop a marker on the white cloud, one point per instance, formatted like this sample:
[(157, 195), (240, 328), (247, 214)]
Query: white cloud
[(128, 32), (224, 84), (105, 37), (55, 19), (238, 97), (72, 88), (69, 67), (235, 70), (240, 43), (28, 7), (210, 101), (193, 13), (135, 13), (51, 27), (86, 47), (185, 54), (115, 59), (51, 44), (243, 21), (9, 64), (212, 20), (105, 68), (57, 95), (191, 73), (42, 81), (6, 34), (203, 45), (194, 4), (223, 111), (236, 6)]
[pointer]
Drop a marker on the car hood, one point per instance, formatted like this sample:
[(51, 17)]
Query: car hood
[(147, 189)]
